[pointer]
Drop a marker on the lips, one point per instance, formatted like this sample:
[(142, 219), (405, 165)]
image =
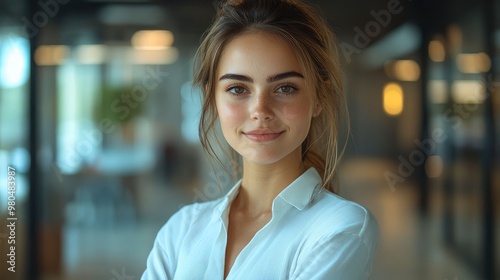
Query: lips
[(262, 135)]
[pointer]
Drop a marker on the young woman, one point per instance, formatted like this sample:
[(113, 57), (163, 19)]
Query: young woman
[(270, 77)]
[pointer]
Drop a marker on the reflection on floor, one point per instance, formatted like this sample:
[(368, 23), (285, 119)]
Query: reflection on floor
[(409, 248)]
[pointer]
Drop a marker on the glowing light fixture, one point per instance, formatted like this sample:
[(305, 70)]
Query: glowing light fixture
[(407, 70), (403, 70), (436, 51), (468, 92), (167, 56), (46, 55), (14, 62), (152, 39), (393, 99), (434, 166), (91, 54), (472, 63)]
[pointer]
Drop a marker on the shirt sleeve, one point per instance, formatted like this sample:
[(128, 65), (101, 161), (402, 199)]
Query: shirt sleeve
[(343, 256), (158, 264), (161, 262)]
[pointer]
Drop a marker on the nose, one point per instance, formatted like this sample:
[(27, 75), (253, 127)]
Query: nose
[(261, 108)]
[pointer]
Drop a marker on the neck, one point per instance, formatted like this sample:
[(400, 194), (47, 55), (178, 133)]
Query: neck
[(263, 182)]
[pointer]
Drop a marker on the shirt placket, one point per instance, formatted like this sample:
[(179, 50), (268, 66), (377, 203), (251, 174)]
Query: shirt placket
[(215, 269), (234, 274)]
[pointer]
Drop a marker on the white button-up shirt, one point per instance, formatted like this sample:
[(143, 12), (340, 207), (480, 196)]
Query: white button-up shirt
[(313, 234)]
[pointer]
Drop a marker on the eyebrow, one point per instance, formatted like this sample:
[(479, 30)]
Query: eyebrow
[(270, 79)]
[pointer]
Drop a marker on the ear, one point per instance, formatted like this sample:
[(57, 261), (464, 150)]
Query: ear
[(317, 110)]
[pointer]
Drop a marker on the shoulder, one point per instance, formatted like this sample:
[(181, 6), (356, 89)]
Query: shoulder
[(340, 240), (339, 216), (188, 216), (192, 212), (199, 208)]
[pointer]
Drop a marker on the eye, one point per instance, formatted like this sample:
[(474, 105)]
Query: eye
[(236, 90), (287, 89)]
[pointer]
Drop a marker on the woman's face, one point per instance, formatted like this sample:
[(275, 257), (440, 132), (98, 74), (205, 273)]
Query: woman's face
[(263, 104)]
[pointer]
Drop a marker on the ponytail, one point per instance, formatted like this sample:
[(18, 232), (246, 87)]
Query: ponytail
[(312, 159)]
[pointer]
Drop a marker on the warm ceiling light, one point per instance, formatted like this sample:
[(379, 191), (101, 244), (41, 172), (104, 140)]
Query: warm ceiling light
[(46, 55), (167, 56), (436, 51), (468, 92), (91, 54), (152, 39), (407, 70), (434, 166), (393, 99), (472, 63), (403, 70)]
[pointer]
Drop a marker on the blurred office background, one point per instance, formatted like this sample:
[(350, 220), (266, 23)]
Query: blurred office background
[(99, 119)]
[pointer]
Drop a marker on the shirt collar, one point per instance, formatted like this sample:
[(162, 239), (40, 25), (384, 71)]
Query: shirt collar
[(299, 193), (231, 194)]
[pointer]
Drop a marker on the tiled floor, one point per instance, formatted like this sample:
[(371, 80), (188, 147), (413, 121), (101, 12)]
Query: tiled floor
[(409, 247)]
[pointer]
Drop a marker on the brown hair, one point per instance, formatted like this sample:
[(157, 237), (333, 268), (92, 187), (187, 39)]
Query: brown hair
[(300, 26)]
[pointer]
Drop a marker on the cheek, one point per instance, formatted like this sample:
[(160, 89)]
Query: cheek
[(296, 112), (227, 110), (229, 113)]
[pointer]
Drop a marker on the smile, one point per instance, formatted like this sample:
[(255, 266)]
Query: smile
[(262, 136)]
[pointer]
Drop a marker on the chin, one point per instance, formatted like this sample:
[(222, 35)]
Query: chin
[(261, 161), (262, 157)]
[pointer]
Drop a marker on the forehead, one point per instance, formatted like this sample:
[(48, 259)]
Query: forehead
[(258, 55)]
